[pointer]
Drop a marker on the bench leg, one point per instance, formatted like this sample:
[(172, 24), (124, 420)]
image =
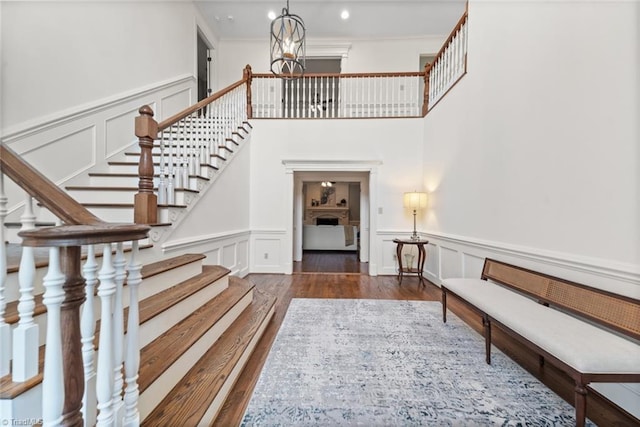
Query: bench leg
[(581, 404), (444, 306), (487, 338)]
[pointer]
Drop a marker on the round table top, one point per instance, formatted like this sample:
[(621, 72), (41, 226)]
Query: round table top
[(410, 241)]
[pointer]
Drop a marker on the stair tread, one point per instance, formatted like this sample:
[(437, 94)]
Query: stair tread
[(161, 353), (188, 401), (161, 266), (10, 389), (159, 302), (99, 188)]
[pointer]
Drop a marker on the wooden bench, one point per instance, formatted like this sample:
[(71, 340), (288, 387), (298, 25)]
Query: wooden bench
[(590, 334)]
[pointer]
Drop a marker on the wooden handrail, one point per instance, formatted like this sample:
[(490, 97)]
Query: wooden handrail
[(459, 25), (43, 190), (349, 75), (147, 129), (187, 112)]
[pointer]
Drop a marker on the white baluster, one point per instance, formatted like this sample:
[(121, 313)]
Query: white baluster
[(87, 328), (132, 362), (25, 336), (162, 182), (119, 264), (106, 290), (52, 382), (5, 329), (193, 145)]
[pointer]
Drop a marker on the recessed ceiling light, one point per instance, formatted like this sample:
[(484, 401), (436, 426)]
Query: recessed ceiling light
[(271, 15), (344, 14)]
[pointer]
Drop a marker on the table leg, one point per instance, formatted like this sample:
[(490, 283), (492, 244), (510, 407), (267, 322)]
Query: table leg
[(399, 257), (422, 256)]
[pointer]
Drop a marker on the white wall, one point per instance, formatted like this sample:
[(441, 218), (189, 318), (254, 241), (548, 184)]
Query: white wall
[(394, 143), (362, 56), (533, 157), (219, 225), (537, 146), (59, 55), (74, 75)]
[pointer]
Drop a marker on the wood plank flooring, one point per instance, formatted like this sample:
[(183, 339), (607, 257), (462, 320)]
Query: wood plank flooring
[(330, 262), (286, 287)]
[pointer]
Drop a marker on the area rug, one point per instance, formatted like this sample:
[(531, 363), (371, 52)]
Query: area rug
[(339, 362)]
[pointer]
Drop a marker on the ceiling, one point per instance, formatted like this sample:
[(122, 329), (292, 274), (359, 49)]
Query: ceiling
[(247, 19)]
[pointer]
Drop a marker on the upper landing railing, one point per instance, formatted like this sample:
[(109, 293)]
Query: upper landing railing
[(363, 95), (205, 134)]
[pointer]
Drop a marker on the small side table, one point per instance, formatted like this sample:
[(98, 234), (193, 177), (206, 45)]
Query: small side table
[(422, 257)]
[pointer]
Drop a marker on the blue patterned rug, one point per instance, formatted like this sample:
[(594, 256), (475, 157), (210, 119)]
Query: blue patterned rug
[(338, 362)]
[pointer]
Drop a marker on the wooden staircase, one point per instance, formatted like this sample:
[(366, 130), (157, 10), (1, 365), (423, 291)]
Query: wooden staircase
[(198, 326)]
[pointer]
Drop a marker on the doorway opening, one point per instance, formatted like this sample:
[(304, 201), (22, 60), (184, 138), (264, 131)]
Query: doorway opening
[(331, 223), (204, 68)]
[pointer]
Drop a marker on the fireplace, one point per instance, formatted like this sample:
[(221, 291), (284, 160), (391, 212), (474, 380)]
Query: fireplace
[(327, 221)]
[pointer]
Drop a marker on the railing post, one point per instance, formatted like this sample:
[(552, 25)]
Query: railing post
[(5, 329), (74, 296), (425, 101), (246, 74), (146, 202)]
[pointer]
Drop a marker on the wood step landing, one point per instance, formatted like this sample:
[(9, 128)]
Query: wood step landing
[(198, 397), (148, 308)]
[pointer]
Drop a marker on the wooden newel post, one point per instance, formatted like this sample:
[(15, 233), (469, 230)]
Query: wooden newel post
[(74, 296), (425, 101), (146, 202), (246, 74)]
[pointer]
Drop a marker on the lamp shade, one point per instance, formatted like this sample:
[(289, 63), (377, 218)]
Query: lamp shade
[(415, 200)]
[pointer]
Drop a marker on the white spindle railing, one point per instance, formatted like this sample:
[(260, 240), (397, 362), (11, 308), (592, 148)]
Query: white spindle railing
[(197, 140), (88, 327), (119, 264), (323, 96), (104, 386), (52, 382), (450, 64), (25, 336), (5, 329), (132, 358)]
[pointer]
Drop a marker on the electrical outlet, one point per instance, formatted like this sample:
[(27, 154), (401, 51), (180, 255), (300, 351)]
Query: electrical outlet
[(266, 255)]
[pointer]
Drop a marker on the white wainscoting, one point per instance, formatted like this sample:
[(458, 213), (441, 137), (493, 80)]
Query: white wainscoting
[(267, 251), (230, 249), (455, 256), (88, 134)]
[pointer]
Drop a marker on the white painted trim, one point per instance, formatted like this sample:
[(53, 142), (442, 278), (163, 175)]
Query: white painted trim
[(327, 48), (188, 242), (368, 166), (43, 124), (604, 268)]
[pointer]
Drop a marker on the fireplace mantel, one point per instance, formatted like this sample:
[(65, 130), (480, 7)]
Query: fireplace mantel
[(340, 212)]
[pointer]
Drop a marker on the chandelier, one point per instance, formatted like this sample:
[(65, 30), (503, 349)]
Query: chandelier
[(287, 45)]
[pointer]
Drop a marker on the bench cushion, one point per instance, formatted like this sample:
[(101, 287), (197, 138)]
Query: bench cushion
[(581, 345)]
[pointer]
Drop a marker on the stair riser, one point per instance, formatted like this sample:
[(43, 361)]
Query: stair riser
[(153, 328), (154, 394), (148, 287), (12, 286), (103, 196), (221, 397), (158, 283), (133, 169), (117, 181), (27, 406)]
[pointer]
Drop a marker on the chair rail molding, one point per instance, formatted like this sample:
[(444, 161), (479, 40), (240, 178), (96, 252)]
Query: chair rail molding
[(616, 277)]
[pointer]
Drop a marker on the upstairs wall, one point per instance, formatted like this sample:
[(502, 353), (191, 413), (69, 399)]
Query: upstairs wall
[(534, 157)]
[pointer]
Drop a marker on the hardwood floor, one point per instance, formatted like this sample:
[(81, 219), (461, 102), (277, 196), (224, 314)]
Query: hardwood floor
[(330, 262), (286, 287)]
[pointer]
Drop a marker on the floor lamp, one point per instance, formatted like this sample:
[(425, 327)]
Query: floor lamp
[(415, 200)]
